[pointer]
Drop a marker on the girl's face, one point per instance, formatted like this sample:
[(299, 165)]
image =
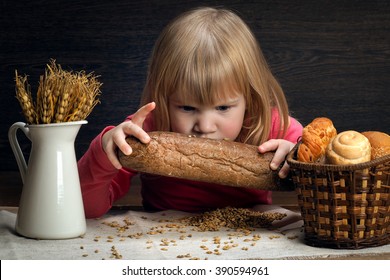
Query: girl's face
[(222, 120)]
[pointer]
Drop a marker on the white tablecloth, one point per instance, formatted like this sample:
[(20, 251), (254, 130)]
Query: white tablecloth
[(158, 236)]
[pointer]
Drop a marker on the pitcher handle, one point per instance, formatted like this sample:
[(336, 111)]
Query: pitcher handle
[(13, 140)]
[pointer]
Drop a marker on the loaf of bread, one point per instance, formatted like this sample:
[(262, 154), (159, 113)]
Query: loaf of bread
[(380, 143), (348, 147), (315, 138), (188, 157)]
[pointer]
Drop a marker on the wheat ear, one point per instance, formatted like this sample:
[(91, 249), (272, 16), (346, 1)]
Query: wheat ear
[(23, 94)]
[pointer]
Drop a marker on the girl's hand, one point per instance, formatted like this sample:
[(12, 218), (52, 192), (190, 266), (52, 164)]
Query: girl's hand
[(282, 148), (115, 138)]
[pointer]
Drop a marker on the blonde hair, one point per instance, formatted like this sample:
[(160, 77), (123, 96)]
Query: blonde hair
[(206, 49)]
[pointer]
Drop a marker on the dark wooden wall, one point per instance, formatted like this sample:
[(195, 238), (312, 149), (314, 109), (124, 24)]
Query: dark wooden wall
[(331, 57)]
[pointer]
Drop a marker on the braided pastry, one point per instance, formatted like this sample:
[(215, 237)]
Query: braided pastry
[(315, 138)]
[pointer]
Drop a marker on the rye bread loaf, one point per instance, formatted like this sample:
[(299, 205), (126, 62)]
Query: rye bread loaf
[(215, 161)]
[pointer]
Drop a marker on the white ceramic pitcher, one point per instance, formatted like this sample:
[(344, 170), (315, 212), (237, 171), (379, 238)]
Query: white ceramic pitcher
[(51, 205)]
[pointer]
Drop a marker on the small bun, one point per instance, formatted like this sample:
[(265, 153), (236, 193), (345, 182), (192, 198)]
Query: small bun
[(348, 147), (315, 138), (380, 143)]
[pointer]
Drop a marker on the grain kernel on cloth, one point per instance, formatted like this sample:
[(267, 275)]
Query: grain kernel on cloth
[(114, 253), (184, 256), (274, 236), (292, 237), (226, 247)]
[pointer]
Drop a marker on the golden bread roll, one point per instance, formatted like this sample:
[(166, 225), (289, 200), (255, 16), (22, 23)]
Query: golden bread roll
[(315, 138), (348, 147), (380, 143)]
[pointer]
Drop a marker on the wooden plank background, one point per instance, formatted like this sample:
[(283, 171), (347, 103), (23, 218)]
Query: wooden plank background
[(331, 57)]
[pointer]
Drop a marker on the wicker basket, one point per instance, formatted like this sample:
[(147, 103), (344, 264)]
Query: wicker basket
[(343, 206)]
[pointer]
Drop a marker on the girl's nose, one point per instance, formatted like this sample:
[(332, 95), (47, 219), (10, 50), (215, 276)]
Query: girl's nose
[(205, 125)]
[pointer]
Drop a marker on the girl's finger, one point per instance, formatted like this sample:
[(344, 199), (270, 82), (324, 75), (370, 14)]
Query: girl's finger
[(140, 116), (281, 148), (283, 172), (111, 155), (130, 128), (268, 146)]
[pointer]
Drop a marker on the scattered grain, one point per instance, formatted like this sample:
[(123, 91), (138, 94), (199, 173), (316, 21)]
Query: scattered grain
[(230, 217), (115, 254), (274, 236), (292, 237)]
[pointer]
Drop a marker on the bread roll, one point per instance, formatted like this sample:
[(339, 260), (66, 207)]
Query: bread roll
[(215, 161), (380, 143), (348, 147), (315, 138)]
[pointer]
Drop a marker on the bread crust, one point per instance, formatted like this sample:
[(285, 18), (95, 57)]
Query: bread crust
[(380, 143), (215, 161)]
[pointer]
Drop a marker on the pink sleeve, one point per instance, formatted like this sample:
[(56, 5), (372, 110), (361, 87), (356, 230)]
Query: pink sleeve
[(101, 183), (294, 130)]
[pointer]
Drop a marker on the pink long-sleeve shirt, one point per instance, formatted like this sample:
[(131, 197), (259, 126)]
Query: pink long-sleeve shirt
[(102, 184)]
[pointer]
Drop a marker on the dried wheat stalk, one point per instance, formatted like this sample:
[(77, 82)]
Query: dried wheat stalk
[(62, 96), (23, 94)]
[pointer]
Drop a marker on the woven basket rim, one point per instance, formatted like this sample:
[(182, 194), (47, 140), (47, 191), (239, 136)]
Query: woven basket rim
[(331, 167)]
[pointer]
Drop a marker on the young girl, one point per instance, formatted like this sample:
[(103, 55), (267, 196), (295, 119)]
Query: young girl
[(207, 77)]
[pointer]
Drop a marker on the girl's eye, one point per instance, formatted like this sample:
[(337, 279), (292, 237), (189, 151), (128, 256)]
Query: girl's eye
[(223, 108), (187, 108)]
